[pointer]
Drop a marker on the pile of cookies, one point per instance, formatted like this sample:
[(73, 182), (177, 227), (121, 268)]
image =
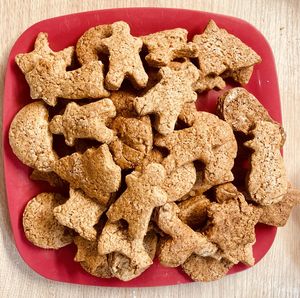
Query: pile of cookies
[(147, 174)]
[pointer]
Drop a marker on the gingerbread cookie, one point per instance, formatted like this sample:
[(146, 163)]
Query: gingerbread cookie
[(184, 241), (89, 45), (80, 213), (30, 138), (134, 141), (165, 100), (87, 121), (89, 258), (115, 238), (40, 226), (231, 228), (267, 180), (124, 58), (165, 46), (206, 268), (220, 51), (144, 192), (94, 172), (242, 75)]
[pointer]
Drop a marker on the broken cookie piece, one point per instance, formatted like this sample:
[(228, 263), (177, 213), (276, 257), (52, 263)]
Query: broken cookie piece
[(183, 242), (115, 238), (277, 214), (134, 140), (94, 171), (40, 226), (206, 268), (80, 213), (87, 121), (89, 258)]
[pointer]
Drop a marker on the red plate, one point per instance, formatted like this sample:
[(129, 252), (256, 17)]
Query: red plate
[(64, 31)]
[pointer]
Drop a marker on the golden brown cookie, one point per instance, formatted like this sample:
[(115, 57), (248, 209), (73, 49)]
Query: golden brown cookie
[(89, 45), (166, 98), (115, 238), (193, 211), (208, 82), (225, 192), (80, 213), (89, 258), (144, 192), (209, 140), (87, 121), (52, 178), (134, 141), (124, 102), (30, 138), (231, 228), (184, 241), (121, 266), (267, 180), (154, 156), (165, 46), (205, 268), (48, 78), (220, 51), (179, 182), (40, 226), (94, 171), (241, 110), (278, 214), (242, 75), (124, 58)]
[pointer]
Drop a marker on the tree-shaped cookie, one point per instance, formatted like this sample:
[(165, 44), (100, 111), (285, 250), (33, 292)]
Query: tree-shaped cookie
[(220, 51), (167, 45), (267, 180), (87, 121), (48, 79), (183, 242), (166, 99), (80, 213), (124, 58), (94, 172), (144, 192)]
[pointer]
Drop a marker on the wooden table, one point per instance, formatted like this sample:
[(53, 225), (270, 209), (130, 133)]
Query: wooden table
[(278, 274)]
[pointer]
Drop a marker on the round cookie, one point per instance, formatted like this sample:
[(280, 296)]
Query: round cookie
[(30, 138), (205, 268), (40, 226)]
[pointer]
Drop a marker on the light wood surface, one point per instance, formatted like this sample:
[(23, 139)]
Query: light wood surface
[(278, 274)]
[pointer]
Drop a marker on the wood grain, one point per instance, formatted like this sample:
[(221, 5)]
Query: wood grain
[(278, 274)]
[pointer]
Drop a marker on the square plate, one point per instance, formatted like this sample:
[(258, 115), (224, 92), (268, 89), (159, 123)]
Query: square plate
[(64, 31)]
